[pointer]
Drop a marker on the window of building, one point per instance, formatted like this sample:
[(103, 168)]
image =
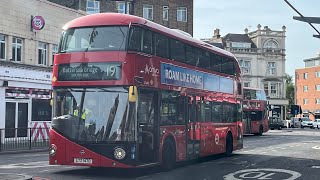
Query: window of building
[(240, 45), (305, 88), (122, 7), (165, 14), (318, 87), (148, 12), (245, 66), (42, 53), (317, 101), (318, 74), (273, 89), (266, 88), (271, 68), (54, 51), (182, 14), (305, 101), (16, 49), (2, 46), (305, 75), (246, 84), (93, 7), (271, 44)]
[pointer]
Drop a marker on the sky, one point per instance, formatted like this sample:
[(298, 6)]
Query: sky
[(233, 16)]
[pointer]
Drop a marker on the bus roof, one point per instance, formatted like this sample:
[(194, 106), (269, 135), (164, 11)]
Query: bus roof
[(105, 19)]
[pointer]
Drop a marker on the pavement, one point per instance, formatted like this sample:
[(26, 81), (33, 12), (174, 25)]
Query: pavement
[(279, 154)]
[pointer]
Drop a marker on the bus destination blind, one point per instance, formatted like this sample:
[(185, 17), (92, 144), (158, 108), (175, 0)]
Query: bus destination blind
[(96, 71)]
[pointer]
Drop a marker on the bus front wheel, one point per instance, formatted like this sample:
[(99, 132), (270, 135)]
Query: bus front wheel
[(168, 155)]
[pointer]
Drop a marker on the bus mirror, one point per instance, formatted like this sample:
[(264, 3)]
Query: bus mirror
[(133, 94)]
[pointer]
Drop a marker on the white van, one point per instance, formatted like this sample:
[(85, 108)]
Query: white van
[(296, 122)]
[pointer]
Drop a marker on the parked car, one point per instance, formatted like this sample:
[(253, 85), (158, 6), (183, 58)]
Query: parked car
[(275, 123), (316, 124), (306, 122)]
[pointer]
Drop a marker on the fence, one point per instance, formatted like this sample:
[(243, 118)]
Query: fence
[(16, 139)]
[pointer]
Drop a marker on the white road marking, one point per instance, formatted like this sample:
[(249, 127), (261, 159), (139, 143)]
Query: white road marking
[(260, 174), (316, 167), (316, 147)]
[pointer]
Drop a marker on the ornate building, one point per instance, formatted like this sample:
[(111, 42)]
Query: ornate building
[(261, 55)]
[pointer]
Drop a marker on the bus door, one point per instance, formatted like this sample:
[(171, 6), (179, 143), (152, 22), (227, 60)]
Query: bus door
[(193, 143), (247, 122), (148, 109)]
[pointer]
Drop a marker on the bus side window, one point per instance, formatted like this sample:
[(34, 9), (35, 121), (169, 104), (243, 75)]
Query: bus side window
[(204, 60), (215, 63), (147, 42), (177, 50), (216, 112), (161, 45), (135, 39)]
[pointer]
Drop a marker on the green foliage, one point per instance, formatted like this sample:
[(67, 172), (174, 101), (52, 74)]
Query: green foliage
[(289, 90)]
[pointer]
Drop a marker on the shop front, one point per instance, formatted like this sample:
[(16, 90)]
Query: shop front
[(25, 95)]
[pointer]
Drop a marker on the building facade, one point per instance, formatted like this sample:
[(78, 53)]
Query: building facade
[(175, 14), (261, 55), (29, 34), (307, 88)]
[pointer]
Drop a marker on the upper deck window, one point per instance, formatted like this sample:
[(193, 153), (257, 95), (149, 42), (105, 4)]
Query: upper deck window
[(111, 38)]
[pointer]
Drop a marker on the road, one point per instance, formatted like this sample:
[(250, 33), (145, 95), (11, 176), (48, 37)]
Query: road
[(286, 154)]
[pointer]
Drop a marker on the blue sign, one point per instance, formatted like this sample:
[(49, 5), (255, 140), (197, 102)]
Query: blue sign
[(178, 76)]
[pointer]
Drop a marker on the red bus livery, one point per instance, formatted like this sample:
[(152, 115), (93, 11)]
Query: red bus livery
[(131, 93), (255, 114)]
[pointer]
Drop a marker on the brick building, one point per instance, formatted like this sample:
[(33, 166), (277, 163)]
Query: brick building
[(261, 55), (26, 56), (307, 87), (175, 14)]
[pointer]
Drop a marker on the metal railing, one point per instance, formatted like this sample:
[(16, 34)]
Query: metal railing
[(18, 139)]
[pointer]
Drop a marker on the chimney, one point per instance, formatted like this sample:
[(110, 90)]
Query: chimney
[(216, 33)]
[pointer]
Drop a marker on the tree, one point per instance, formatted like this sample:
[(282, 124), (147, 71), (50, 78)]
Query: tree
[(289, 90)]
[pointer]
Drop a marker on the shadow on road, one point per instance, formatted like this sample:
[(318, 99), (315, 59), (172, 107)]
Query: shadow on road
[(131, 173)]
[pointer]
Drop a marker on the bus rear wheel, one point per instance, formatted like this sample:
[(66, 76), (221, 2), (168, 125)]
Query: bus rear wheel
[(168, 155), (229, 145)]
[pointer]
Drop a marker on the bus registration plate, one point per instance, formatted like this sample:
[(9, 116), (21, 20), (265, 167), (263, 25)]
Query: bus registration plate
[(82, 161)]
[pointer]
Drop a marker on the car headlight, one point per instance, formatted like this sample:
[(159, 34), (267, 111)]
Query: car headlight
[(119, 153), (52, 150)]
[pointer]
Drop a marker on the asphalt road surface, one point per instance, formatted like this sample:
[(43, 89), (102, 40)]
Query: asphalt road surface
[(278, 154)]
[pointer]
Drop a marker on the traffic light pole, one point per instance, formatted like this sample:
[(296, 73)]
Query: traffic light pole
[(309, 20)]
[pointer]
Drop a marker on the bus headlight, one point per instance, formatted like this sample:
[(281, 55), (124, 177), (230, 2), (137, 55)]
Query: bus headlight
[(52, 150), (119, 153)]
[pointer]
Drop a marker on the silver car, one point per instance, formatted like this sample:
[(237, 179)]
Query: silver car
[(306, 122), (316, 124)]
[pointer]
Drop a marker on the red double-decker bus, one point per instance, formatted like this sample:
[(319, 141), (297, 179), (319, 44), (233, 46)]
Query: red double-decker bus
[(255, 111), (128, 93)]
